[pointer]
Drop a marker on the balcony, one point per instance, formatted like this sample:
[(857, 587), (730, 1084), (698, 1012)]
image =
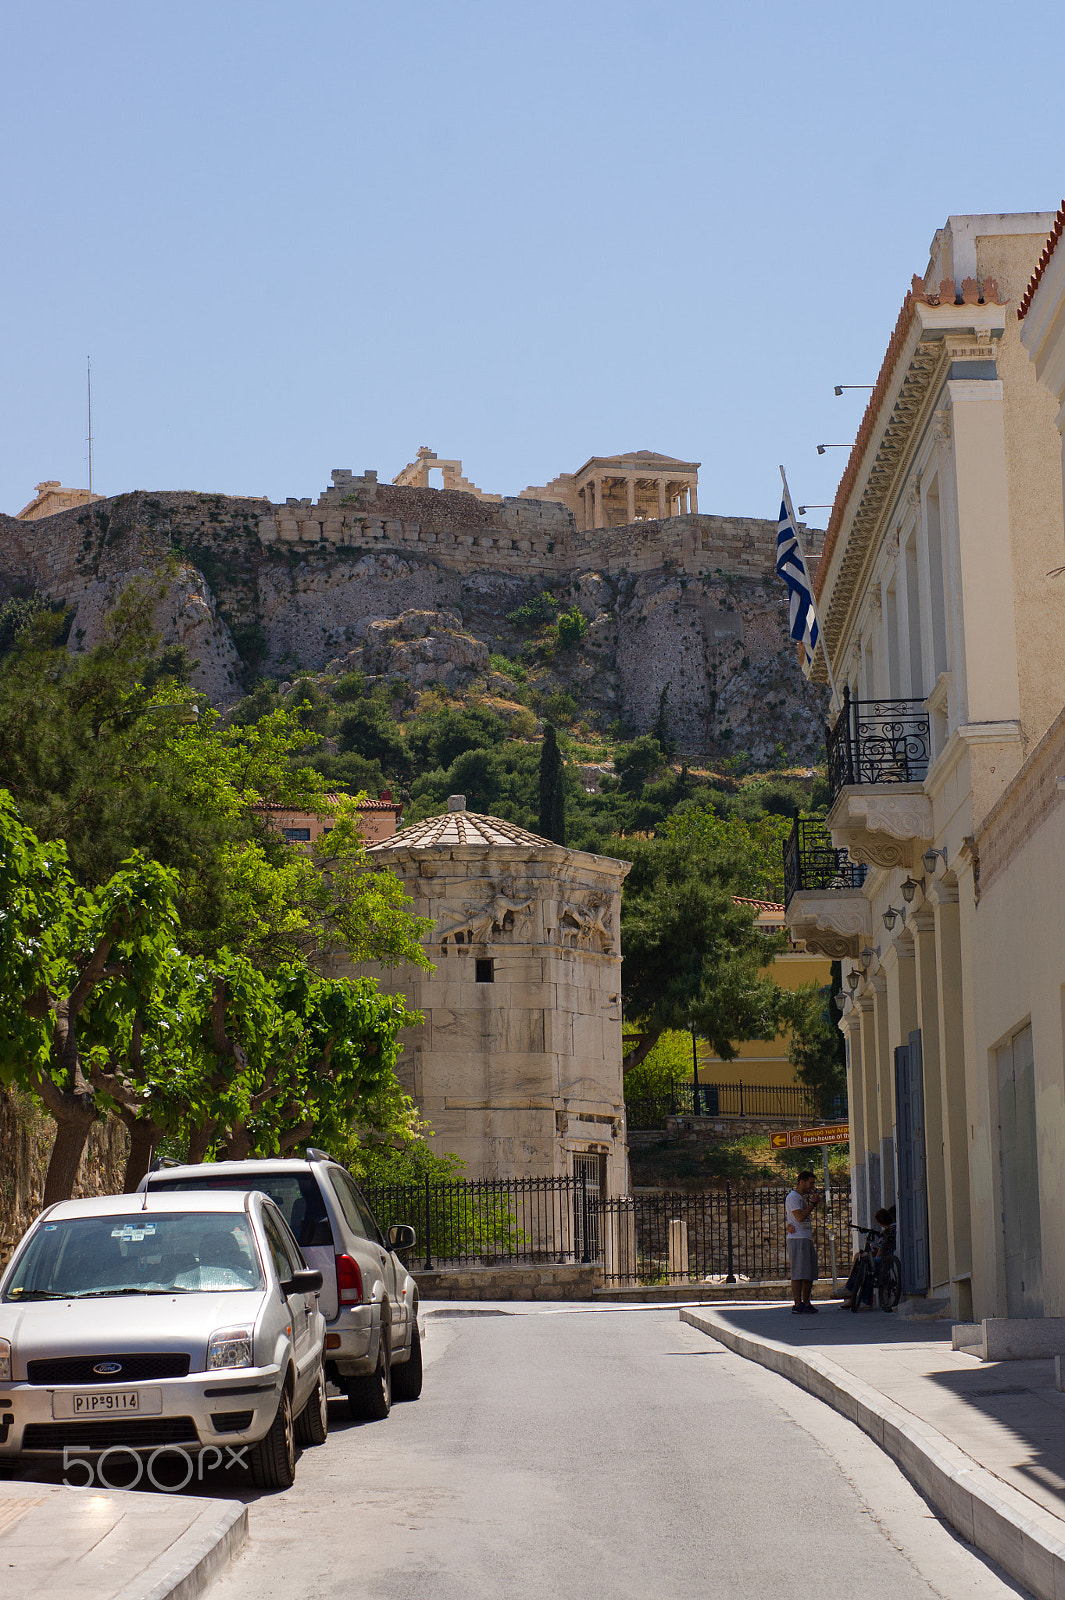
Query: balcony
[(878, 754), (824, 905)]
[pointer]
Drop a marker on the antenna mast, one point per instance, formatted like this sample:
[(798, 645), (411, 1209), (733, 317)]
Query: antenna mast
[(88, 372)]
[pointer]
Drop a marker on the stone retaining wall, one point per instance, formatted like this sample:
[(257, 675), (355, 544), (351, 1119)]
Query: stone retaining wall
[(511, 1283), (26, 1138)]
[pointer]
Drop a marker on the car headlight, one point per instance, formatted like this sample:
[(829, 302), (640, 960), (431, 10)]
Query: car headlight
[(230, 1347), (5, 1360)]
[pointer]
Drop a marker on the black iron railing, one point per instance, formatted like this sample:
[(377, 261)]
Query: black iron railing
[(811, 861), (722, 1100), (878, 741), (729, 1234)]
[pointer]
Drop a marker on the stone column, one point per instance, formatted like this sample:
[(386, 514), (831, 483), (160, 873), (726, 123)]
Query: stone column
[(924, 941), (661, 486), (856, 1115), (630, 498), (597, 489), (693, 499), (885, 1090), (870, 1101), (943, 898)]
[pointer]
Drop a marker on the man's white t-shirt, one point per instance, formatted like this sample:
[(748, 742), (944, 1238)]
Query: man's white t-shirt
[(793, 1205)]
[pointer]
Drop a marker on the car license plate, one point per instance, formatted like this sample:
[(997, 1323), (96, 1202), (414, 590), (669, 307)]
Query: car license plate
[(107, 1403)]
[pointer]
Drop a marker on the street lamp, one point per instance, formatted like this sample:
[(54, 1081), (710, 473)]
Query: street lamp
[(891, 916), (910, 888), (839, 387), (823, 447), (930, 858)]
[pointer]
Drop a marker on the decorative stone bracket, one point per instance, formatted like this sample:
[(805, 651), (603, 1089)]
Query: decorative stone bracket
[(882, 825), (830, 923)]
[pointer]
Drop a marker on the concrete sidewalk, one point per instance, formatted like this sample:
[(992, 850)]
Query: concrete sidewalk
[(984, 1442), (88, 1544)]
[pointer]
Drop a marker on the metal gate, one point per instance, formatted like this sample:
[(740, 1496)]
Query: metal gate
[(1018, 1153), (586, 1207)]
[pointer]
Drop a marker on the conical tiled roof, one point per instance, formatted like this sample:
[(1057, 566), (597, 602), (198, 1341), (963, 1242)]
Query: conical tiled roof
[(460, 828)]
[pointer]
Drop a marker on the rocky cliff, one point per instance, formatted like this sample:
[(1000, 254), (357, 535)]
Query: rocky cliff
[(684, 616)]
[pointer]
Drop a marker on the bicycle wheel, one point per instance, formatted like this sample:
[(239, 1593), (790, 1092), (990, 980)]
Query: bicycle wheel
[(859, 1284), (890, 1283)]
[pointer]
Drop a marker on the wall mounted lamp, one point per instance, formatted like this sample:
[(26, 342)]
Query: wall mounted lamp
[(839, 387), (853, 980), (910, 888), (826, 506), (823, 447), (841, 999), (891, 916), (929, 859), (865, 959)]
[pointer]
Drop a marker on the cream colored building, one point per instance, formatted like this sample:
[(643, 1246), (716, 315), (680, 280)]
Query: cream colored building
[(947, 641), (51, 497), (612, 491), (517, 1065)]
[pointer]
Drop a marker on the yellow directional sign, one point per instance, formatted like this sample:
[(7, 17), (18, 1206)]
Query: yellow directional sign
[(800, 1138)]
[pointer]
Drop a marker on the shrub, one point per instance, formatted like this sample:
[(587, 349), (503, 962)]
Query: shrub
[(572, 626), (560, 707)]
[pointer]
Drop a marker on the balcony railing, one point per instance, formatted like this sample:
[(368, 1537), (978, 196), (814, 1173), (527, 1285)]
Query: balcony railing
[(811, 861), (878, 741)]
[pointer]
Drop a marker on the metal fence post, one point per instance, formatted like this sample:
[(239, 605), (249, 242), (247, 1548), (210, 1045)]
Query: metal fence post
[(731, 1278), (586, 1243), (428, 1240)]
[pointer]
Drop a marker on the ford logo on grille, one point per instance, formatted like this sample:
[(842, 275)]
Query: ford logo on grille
[(106, 1368)]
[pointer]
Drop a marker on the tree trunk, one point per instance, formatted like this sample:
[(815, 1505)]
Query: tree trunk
[(71, 1135), (642, 1050), (142, 1138), (238, 1145), (200, 1140)]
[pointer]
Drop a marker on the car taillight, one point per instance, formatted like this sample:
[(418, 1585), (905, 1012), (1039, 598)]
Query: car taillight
[(349, 1281)]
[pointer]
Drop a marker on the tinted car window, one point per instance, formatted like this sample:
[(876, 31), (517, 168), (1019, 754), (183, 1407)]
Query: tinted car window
[(295, 1194), (357, 1212)]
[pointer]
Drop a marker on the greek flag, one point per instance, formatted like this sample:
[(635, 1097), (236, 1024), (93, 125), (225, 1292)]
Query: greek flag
[(792, 568)]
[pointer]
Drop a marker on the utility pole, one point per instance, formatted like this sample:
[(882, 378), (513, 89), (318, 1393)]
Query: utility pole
[(88, 374)]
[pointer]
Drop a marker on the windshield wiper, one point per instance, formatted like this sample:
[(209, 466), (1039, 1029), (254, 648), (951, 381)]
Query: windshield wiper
[(17, 1295), (101, 1294)]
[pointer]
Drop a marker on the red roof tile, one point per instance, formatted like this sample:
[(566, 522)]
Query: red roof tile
[(1043, 263)]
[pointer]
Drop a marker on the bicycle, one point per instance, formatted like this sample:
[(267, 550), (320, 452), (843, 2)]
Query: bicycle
[(885, 1271)]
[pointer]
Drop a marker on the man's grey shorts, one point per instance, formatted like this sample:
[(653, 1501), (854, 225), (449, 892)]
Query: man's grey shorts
[(802, 1258)]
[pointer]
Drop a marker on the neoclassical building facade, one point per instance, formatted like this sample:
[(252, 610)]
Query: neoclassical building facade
[(945, 635)]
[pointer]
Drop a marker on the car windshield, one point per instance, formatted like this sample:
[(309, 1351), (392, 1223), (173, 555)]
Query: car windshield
[(295, 1194), (165, 1253)]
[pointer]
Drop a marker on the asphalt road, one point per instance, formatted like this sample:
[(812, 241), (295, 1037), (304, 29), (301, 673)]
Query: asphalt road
[(584, 1455)]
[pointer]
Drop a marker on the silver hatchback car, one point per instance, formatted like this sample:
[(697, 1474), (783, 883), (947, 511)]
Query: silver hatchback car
[(162, 1323), (373, 1349)]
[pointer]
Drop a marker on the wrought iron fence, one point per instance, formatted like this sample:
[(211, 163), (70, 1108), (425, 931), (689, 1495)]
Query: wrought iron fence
[(811, 861), (726, 1234), (724, 1100), (878, 741)]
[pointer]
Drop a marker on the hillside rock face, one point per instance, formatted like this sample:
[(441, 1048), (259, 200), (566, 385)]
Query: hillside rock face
[(686, 619)]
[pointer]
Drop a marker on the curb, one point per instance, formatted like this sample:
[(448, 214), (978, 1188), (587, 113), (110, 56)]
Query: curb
[(195, 1558), (1004, 1524)]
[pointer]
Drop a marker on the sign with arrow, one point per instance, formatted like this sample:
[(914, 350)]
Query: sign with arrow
[(801, 1138)]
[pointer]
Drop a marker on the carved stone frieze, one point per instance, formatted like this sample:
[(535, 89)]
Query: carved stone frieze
[(882, 825), (483, 922), (588, 925)]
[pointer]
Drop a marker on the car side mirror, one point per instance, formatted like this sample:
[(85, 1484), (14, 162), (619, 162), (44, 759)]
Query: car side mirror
[(305, 1280), (401, 1236)]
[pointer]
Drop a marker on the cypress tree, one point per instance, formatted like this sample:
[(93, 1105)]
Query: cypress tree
[(552, 798)]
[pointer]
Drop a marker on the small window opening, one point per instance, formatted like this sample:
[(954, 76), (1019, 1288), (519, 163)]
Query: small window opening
[(299, 834), (485, 970)]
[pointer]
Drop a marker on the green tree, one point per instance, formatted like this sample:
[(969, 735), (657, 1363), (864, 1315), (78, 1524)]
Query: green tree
[(637, 763), (692, 955), (552, 816), (816, 1049)]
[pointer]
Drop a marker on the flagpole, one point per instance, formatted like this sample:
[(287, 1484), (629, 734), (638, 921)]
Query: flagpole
[(806, 571)]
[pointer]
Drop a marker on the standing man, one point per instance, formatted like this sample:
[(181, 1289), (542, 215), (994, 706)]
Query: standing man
[(802, 1252)]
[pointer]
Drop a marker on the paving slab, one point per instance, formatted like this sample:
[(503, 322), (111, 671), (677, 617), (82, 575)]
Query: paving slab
[(89, 1544), (983, 1441)]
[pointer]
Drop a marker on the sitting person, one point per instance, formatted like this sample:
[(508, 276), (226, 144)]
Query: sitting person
[(885, 1221)]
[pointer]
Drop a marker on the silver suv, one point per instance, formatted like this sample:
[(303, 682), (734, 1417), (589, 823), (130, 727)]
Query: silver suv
[(373, 1347)]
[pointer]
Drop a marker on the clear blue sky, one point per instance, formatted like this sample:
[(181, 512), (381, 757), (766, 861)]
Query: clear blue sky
[(296, 237)]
